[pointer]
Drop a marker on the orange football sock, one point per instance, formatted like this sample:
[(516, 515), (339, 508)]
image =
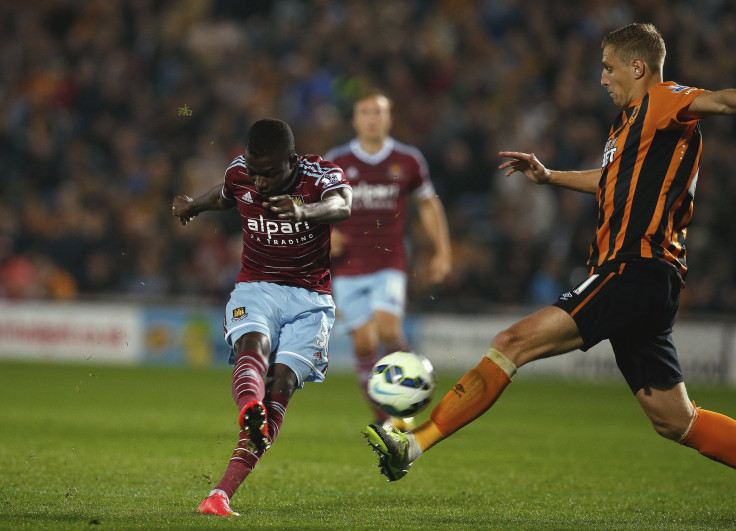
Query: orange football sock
[(469, 399), (713, 435)]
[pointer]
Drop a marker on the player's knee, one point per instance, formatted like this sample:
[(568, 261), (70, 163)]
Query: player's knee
[(365, 341), (670, 428), (283, 381), (668, 431), (365, 348), (254, 342), (391, 339), (508, 343)]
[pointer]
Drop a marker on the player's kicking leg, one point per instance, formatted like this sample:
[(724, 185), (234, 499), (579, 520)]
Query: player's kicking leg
[(470, 398), (548, 332)]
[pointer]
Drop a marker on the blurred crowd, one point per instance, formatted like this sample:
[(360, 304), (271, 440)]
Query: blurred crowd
[(110, 108)]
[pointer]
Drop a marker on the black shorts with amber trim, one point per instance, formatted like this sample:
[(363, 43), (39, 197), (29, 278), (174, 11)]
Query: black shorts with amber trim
[(634, 305)]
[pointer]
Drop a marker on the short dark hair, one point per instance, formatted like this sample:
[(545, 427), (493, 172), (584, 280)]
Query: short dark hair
[(269, 137), (638, 41)]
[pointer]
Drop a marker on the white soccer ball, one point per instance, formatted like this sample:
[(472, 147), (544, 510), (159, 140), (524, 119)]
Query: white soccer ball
[(402, 384)]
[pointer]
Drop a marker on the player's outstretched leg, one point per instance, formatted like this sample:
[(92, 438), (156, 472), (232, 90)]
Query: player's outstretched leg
[(477, 391), (253, 419), (216, 503), (392, 447)]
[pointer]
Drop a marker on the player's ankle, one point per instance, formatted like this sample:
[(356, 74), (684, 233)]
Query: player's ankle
[(221, 492), (413, 450)]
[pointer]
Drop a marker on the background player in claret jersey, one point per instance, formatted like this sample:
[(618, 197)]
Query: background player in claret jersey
[(368, 249), (645, 193), (280, 313)]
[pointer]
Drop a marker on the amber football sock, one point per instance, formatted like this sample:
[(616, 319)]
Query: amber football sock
[(713, 435), (477, 391)]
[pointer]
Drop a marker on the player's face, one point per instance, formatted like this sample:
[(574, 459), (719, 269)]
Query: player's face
[(273, 174), (617, 78), (372, 118)]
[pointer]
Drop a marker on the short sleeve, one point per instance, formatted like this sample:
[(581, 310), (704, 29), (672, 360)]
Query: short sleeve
[(332, 178), (669, 100), (235, 169)]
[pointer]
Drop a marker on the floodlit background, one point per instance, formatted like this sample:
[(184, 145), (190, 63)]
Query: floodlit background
[(110, 108)]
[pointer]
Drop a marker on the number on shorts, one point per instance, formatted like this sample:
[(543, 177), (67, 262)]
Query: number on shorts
[(323, 338)]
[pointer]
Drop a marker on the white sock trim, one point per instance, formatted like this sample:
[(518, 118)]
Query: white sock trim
[(222, 492), (502, 361), (414, 450), (690, 426)]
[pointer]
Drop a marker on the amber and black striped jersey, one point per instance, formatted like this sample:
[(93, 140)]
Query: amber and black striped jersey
[(650, 168)]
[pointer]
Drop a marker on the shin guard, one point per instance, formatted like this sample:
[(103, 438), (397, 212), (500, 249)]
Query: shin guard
[(472, 396), (713, 435)]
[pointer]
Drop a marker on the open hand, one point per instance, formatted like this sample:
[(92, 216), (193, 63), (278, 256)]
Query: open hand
[(526, 163)]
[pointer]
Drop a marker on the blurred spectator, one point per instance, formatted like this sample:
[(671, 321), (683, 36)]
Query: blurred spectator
[(109, 106)]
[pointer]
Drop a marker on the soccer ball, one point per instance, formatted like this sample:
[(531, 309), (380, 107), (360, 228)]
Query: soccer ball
[(402, 384)]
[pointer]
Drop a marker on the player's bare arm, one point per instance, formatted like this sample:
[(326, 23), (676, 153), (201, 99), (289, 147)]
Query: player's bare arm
[(585, 181), (333, 207), (186, 209), (716, 102), (433, 219)]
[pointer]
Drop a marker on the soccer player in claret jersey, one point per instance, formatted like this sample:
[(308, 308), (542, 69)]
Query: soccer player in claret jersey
[(368, 249), (280, 313), (645, 192)]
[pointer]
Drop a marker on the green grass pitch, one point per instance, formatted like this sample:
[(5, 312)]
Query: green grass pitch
[(120, 448)]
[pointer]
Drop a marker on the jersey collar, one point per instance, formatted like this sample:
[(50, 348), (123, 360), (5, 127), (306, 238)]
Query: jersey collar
[(372, 158)]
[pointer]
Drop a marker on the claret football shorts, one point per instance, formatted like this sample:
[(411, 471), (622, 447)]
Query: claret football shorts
[(297, 322), (634, 305)]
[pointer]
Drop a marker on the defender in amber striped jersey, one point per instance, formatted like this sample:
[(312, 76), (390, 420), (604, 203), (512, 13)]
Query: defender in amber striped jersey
[(646, 188), (645, 192)]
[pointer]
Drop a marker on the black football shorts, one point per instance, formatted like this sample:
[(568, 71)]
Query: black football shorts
[(634, 305)]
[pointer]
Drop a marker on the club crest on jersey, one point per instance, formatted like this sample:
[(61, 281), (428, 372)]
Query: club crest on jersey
[(298, 200), (634, 114), (395, 171), (239, 313)]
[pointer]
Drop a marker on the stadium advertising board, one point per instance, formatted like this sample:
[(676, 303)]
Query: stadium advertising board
[(184, 335), (107, 333), (48, 331)]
